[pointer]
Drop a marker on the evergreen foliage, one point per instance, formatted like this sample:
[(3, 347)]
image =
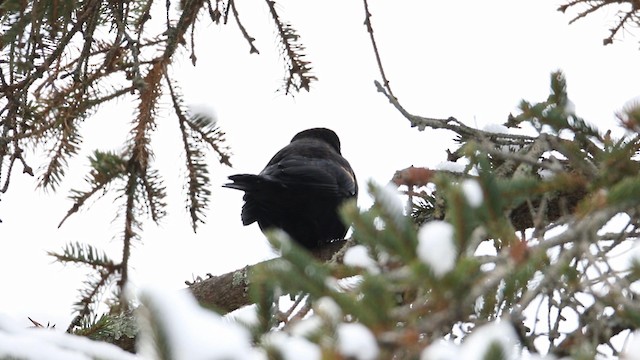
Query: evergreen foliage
[(63, 60), (518, 253)]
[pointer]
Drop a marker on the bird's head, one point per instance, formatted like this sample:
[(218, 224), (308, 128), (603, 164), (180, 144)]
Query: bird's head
[(323, 134)]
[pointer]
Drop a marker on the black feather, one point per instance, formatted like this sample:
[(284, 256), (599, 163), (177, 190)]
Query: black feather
[(300, 189)]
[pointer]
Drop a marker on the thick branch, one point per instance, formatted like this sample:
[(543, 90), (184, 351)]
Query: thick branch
[(228, 292)]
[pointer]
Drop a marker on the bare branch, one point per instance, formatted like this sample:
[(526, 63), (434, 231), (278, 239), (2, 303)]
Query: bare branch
[(367, 23)]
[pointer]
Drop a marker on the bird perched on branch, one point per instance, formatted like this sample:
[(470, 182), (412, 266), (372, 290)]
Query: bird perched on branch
[(300, 189)]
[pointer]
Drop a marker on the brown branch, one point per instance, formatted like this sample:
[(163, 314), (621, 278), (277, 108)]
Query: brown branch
[(228, 292), (250, 39), (17, 155), (592, 322), (224, 293), (193, 192), (129, 232), (609, 40), (367, 23), (595, 5), (453, 124), (582, 14), (292, 51), (90, 9), (176, 35), (215, 15)]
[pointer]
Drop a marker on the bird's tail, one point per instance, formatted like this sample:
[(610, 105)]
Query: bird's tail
[(245, 182), (258, 190)]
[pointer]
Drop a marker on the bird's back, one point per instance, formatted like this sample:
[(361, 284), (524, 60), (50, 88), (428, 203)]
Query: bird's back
[(300, 190)]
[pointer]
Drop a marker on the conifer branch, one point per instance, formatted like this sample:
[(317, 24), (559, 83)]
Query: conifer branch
[(131, 225), (250, 39), (104, 271), (105, 168), (214, 14), (67, 145), (198, 175), (298, 70)]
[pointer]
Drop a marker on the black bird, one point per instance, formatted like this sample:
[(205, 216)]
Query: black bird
[(300, 189)]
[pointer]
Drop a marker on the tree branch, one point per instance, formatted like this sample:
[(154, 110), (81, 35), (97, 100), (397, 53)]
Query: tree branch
[(367, 23), (228, 292)]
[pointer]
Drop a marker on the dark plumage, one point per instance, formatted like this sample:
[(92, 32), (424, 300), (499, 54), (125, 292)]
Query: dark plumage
[(300, 189)]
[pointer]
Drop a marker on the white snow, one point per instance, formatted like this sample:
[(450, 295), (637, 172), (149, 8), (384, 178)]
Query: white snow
[(327, 308), (476, 345), (496, 128), (50, 344), (389, 199), (473, 192), (546, 173), (451, 166), (358, 256), (192, 332), (282, 241), (436, 246), (379, 224), (634, 254), (457, 167), (441, 350), (570, 107), (349, 283), (205, 111), (332, 283), (245, 315), (293, 347), (356, 341), (307, 326), (632, 348)]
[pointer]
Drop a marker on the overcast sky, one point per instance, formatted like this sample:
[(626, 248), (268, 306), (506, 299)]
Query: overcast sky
[(474, 60)]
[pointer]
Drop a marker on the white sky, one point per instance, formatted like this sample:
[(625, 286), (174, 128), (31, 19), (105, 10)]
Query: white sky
[(468, 59)]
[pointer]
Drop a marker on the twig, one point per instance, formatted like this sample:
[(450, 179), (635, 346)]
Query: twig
[(250, 39), (595, 5), (609, 40), (367, 23), (298, 68), (452, 124)]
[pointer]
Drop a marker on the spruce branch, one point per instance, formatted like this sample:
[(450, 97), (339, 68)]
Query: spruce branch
[(104, 272), (215, 14), (197, 130), (250, 39), (140, 150), (68, 144), (198, 192), (154, 194), (175, 35), (131, 226), (298, 70), (105, 168), (95, 286), (84, 254)]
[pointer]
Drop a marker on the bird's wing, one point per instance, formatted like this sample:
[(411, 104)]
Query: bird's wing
[(327, 175)]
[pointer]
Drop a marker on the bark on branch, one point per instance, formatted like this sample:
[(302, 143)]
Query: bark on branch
[(228, 292)]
